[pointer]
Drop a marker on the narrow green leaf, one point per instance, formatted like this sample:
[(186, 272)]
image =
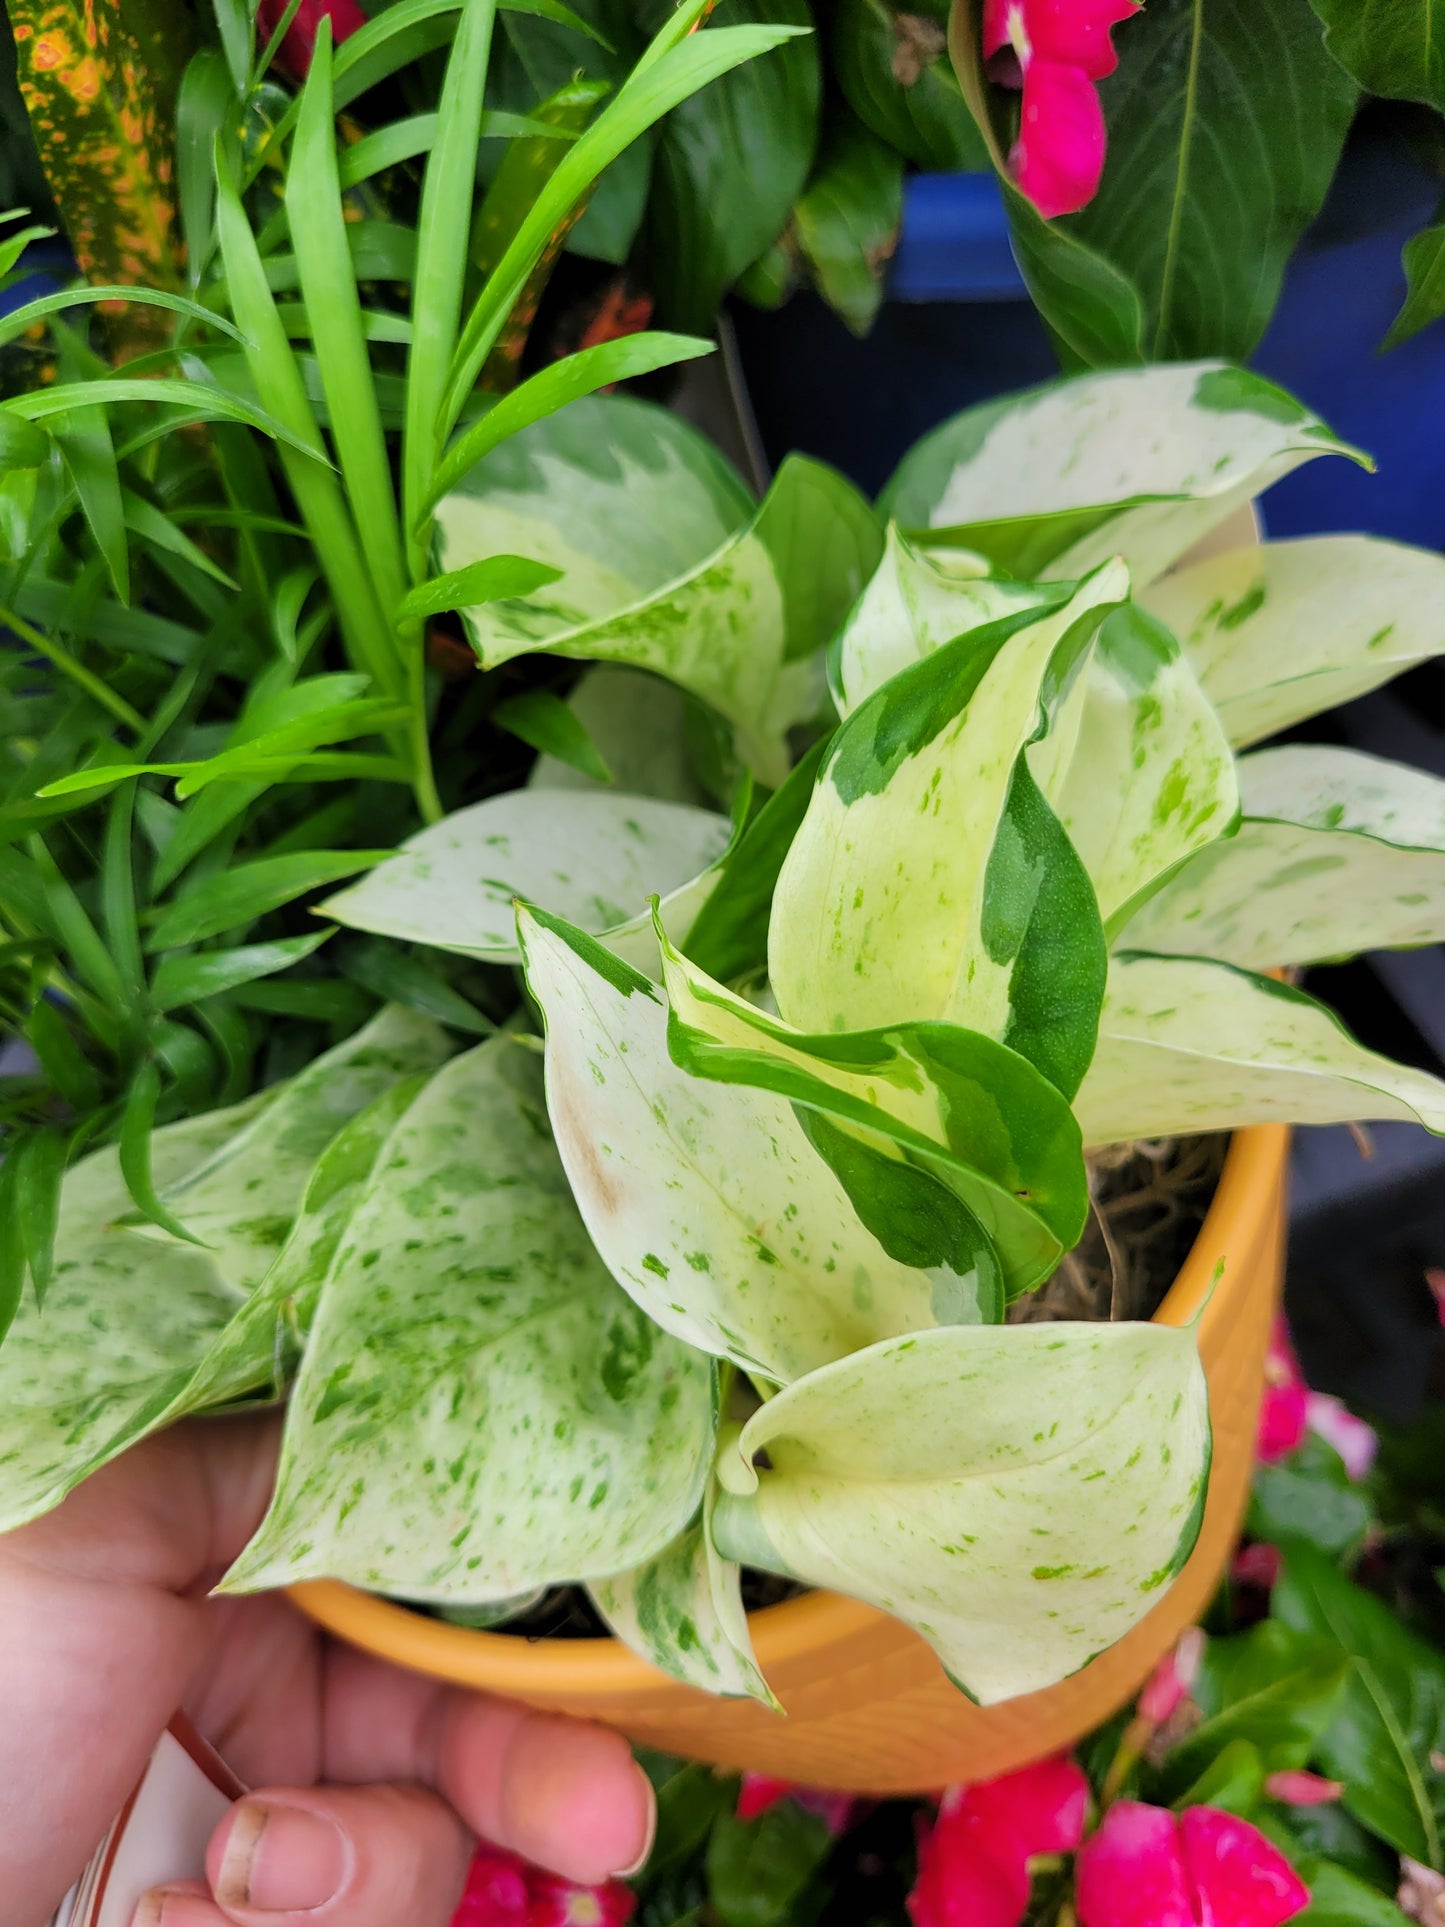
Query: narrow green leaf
[(39, 1168), (136, 1127), (158, 528), (90, 456), (20, 320), (209, 973), (497, 578), (61, 1057), (389, 973), (203, 403), (544, 721), (1423, 259), (12, 1242), (249, 890)]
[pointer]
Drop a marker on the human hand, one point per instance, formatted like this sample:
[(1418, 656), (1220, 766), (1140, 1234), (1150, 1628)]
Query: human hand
[(370, 1782)]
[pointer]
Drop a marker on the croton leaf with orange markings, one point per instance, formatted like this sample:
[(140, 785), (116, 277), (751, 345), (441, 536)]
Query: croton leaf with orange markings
[(98, 87)]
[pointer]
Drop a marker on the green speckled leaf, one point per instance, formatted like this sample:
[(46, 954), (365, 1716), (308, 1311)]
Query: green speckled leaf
[(241, 1202), (1054, 1490), (738, 622), (930, 879), (708, 1205), (1152, 776), (1338, 852), (683, 1612), (480, 1411), (593, 860), (1188, 1045), (918, 599), (1282, 632), (1138, 462), (888, 1108)]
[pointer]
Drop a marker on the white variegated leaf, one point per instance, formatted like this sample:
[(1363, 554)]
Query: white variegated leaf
[(1188, 1045), (1338, 852), (1151, 776), (595, 861), (917, 599), (1053, 1491), (638, 725), (1138, 462), (480, 1411), (929, 879), (740, 624), (708, 1204), (1282, 632), (683, 1612)]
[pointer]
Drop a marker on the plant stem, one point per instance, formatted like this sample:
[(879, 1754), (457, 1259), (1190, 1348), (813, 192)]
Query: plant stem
[(66, 663)]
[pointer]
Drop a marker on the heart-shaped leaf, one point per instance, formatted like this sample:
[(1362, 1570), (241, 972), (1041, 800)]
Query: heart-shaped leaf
[(1056, 1488), (480, 1411)]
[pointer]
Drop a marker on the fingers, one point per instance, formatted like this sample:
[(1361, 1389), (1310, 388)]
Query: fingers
[(330, 1857), (568, 1796)]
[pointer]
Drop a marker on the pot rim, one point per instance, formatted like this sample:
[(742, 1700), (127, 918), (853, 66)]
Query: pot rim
[(509, 1663)]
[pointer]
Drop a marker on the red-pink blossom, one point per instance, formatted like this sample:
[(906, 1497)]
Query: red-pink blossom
[(1283, 1411), (503, 1890), (298, 43), (1258, 1565), (973, 1866), (1172, 1680), (759, 1791), (1147, 1867), (1297, 1788), (1354, 1440), (1055, 50)]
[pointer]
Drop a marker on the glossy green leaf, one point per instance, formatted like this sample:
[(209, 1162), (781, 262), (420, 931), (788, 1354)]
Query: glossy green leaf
[(1392, 1718), (895, 74), (638, 725), (1282, 632), (85, 442), (39, 1175), (480, 1410), (1338, 852), (496, 578), (1391, 47), (1309, 1495), (246, 891), (764, 1872), (1056, 1488), (708, 1205), (136, 1129), (208, 973), (1339, 1898), (930, 878), (545, 723), (846, 223), (455, 884), (1186, 1045), (1423, 259), (22, 444), (1140, 462), (918, 599), (388, 972)]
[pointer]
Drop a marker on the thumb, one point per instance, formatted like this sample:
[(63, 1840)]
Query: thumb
[(339, 1857)]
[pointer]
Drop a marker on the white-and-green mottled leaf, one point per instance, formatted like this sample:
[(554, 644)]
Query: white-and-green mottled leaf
[(1338, 852), (594, 860), (888, 1107), (638, 725), (1282, 632), (741, 627), (124, 1324), (242, 1202), (930, 879), (683, 1612), (1190, 1045), (1053, 1491), (480, 1410), (708, 1204), (916, 600), (1151, 777), (1138, 462)]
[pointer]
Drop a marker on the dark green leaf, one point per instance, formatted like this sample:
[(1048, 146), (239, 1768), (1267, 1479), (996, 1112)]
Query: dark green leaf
[(249, 890), (67, 918), (1391, 47), (1233, 1779), (12, 1243), (136, 1125), (1309, 1496), (89, 453), (61, 1058), (893, 69), (39, 1167), (1424, 263), (1339, 1898), (544, 721), (1392, 1716), (22, 444), (206, 973), (389, 973), (848, 220), (759, 1870), (689, 1799), (496, 579), (324, 1000)]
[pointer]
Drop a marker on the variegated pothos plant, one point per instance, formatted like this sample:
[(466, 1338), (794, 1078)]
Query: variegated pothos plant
[(723, 1280)]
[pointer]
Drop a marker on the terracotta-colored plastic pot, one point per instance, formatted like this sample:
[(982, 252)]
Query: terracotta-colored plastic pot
[(869, 1708)]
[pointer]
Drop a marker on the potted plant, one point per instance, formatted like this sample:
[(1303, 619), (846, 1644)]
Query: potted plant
[(666, 1307)]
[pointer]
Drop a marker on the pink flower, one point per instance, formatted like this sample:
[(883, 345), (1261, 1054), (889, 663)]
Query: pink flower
[(299, 41), (1147, 1867), (1055, 50), (503, 1890), (973, 1867), (1354, 1440), (1282, 1413), (1300, 1789), (759, 1791), (1173, 1679)]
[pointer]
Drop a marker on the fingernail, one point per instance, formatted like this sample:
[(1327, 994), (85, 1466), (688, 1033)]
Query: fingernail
[(161, 1909), (627, 1873), (281, 1860)]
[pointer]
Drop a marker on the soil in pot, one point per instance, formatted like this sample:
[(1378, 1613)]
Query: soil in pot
[(1148, 1200)]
